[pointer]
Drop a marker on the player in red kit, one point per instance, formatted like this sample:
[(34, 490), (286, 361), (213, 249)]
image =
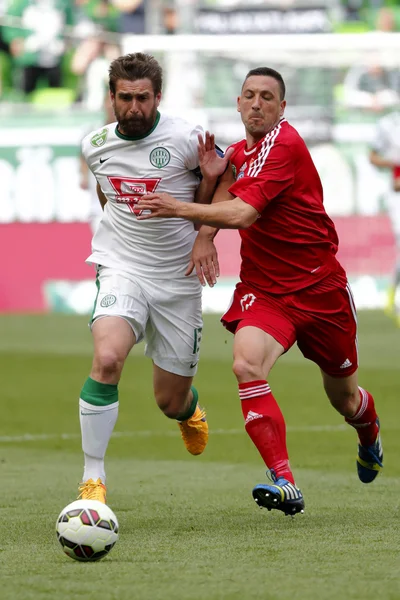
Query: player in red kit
[(291, 289)]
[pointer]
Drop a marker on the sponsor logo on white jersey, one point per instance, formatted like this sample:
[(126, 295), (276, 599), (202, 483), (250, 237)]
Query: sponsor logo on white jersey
[(99, 139), (133, 188), (129, 190)]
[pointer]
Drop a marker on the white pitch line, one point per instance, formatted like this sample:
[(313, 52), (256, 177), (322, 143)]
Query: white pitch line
[(29, 437)]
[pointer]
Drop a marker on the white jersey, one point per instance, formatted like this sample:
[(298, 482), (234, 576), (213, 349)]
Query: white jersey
[(387, 144), (126, 168), (386, 141), (95, 210)]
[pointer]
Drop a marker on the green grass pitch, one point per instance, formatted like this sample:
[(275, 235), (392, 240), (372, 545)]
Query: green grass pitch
[(189, 529)]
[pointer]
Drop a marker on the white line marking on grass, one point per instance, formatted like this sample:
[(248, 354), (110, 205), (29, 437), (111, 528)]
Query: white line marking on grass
[(32, 437)]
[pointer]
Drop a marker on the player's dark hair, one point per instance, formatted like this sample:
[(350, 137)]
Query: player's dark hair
[(136, 66), (267, 72)]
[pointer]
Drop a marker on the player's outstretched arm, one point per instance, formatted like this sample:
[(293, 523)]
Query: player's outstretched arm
[(379, 161), (231, 214)]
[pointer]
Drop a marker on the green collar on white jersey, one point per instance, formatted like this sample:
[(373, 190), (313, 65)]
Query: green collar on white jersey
[(139, 137)]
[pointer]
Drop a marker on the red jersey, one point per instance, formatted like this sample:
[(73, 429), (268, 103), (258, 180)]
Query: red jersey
[(293, 243)]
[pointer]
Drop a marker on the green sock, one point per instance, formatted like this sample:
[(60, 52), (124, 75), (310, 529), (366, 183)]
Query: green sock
[(192, 408), (99, 394)]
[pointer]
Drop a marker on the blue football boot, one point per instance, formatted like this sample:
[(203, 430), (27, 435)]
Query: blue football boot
[(370, 459), (280, 494)]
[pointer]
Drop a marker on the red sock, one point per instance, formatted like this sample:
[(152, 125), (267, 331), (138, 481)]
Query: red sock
[(266, 426), (364, 421)]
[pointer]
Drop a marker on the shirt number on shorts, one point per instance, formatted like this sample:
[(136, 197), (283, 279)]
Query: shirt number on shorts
[(197, 333), (128, 190)]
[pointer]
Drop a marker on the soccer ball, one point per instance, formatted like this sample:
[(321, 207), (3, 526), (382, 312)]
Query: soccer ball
[(87, 530)]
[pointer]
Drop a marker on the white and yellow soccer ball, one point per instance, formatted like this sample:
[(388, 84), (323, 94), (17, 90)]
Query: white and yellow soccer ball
[(87, 530)]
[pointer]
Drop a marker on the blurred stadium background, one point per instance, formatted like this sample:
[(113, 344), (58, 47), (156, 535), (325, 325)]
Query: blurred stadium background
[(341, 63), (189, 528)]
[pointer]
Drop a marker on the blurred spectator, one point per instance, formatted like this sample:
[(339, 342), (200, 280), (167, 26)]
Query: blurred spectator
[(373, 87), (3, 11), (385, 20), (133, 15), (352, 9), (4, 48), (170, 19), (101, 12), (91, 62), (36, 42)]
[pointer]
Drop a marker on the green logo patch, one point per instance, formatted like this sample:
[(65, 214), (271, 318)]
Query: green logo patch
[(99, 139), (159, 157), (108, 300)]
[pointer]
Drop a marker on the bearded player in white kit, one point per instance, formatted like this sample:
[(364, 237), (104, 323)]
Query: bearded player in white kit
[(143, 292)]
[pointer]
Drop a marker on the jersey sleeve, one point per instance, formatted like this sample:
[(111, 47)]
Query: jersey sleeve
[(192, 155), (271, 174), (85, 145)]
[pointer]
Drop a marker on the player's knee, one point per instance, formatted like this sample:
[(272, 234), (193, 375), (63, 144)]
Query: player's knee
[(107, 364), (244, 370)]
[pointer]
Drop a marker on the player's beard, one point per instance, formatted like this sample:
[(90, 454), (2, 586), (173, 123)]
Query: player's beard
[(137, 126)]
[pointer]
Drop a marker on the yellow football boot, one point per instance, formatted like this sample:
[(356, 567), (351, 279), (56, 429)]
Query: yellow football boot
[(92, 490), (194, 431)]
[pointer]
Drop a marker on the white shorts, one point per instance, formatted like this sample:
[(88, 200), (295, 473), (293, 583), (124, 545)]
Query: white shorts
[(165, 312)]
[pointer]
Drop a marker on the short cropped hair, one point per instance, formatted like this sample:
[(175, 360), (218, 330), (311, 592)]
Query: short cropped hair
[(268, 72)]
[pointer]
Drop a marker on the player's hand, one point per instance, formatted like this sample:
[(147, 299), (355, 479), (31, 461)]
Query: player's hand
[(159, 205), (205, 260), (211, 164), (396, 184)]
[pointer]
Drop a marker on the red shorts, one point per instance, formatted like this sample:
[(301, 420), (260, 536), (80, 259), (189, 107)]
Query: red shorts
[(321, 318)]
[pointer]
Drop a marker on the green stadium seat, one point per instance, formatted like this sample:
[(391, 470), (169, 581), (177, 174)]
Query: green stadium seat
[(52, 97)]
